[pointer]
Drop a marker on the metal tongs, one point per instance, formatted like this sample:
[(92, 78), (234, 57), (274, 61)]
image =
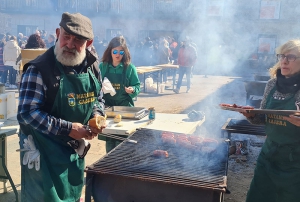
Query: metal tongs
[(114, 136)]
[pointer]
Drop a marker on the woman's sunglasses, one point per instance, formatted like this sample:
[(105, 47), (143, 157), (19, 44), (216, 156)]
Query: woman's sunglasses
[(116, 52)]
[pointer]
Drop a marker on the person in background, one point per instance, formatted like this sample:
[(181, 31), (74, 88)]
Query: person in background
[(2, 66), (116, 66), (59, 94), (20, 39), (35, 41), (51, 41), (147, 52), (10, 55), (162, 56), (173, 47), (276, 176), (187, 56)]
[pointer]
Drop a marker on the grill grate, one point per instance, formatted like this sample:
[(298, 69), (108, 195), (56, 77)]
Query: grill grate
[(243, 127), (184, 167)]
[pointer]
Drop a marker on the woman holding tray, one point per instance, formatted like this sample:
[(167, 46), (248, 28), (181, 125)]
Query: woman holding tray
[(277, 173)]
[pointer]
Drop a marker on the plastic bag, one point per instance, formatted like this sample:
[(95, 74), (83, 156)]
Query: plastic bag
[(107, 87)]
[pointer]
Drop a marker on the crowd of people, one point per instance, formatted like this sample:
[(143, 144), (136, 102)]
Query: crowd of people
[(10, 53)]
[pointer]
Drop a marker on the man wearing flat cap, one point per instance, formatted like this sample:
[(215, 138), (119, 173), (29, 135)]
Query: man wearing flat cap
[(59, 93)]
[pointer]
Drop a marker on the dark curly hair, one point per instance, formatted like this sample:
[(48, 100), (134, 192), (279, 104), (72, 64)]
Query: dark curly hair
[(35, 41)]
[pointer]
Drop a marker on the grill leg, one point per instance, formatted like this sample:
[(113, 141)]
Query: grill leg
[(88, 187)]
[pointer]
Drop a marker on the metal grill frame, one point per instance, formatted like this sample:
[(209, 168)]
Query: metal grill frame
[(211, 189)]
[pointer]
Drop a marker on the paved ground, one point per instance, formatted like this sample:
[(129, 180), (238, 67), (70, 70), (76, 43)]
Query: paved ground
[(205, 95)]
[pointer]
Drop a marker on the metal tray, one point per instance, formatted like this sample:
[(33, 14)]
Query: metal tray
[(126, 112), (271, 111), (264, 111)]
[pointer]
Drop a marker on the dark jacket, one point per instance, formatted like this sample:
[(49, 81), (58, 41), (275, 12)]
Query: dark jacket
[(49, 71)]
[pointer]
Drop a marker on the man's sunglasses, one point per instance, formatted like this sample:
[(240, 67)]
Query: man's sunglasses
[(116, 52)]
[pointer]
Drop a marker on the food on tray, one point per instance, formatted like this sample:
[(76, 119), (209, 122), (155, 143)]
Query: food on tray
[(160, 153), (235, 106), (97, 122), (118, 118), (120, 124), (230, 105)]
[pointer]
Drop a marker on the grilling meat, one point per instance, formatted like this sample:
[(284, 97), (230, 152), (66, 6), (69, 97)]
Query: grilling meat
[(169, 140), (167, 134), (190, 142), (235, 106), (160, 153)]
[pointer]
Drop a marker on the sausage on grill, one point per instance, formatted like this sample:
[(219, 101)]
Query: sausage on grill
[(160, 153), (167, 134), (169, 140)]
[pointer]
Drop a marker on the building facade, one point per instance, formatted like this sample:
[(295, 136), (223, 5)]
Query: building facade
[(242, 27)]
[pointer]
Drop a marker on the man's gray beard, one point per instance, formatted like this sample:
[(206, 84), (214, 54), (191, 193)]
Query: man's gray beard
[(68, 60)]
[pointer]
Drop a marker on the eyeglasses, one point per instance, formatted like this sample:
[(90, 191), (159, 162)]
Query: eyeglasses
[(290, 58), (116, 52)]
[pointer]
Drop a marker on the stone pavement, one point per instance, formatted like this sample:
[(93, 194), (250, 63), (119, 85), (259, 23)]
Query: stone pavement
[(205, 95)]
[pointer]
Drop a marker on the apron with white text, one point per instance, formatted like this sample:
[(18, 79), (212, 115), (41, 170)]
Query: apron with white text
[(277, 174), (61, 175)]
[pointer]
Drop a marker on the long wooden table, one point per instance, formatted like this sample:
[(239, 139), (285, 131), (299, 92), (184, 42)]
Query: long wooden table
[(149, 71), (173, 69)]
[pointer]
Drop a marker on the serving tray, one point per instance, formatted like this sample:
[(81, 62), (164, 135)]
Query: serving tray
[(263, 111), (126, 112)]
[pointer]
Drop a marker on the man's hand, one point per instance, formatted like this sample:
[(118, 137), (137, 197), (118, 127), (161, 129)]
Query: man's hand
[(80, 131)]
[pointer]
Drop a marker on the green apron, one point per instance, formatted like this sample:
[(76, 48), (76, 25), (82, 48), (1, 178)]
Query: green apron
[(277, 173), (118, 81), (61, 175), (121, 98)]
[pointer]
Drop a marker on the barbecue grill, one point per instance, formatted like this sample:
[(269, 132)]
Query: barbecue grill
[(131, 173), (241, 126)]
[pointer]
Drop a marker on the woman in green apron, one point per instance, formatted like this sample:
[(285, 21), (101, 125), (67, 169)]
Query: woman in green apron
[(58, 95), (117, 68), (277, 173)]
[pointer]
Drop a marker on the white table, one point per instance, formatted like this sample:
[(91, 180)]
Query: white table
[(178, 123), (4, 173)]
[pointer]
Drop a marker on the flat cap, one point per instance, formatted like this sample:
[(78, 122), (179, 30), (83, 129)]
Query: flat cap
[(77, 24)]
